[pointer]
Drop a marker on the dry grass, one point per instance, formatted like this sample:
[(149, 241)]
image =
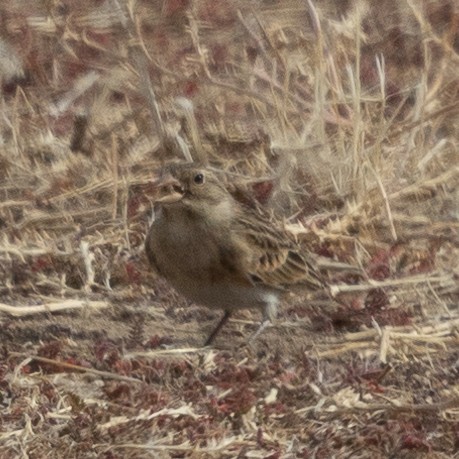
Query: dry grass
[(341, 116)]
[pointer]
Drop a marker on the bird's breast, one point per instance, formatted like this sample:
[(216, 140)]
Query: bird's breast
[(184, 249)]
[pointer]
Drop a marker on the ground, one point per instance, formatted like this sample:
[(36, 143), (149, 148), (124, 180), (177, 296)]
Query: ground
[(339, 117)]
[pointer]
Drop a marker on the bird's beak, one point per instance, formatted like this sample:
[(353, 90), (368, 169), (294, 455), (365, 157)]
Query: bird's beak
[(169, 189)]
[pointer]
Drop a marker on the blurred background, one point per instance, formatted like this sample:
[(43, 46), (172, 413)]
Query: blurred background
[(340, 116)]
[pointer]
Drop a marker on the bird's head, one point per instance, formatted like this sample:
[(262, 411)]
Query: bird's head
[(193, 186)]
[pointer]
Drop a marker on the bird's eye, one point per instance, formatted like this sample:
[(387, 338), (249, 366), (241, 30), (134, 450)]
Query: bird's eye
[(199, 179)]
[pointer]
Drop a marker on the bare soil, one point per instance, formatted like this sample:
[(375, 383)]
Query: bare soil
[(340, 117)]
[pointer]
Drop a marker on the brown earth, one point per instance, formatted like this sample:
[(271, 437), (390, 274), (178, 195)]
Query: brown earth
[(342, 117)]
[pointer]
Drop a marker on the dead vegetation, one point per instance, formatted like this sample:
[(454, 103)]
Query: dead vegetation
[(341, 116)]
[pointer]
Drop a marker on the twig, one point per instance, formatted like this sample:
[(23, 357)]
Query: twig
[(372, 284), (21, 311), (386, 202), (189, 350), (70, 366), (139, 56), (421, 407), (418, 188)]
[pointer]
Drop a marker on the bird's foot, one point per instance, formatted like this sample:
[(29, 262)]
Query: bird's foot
[(263, 326)]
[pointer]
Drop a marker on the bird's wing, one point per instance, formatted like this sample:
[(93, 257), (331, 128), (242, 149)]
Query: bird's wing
[(275, 259)]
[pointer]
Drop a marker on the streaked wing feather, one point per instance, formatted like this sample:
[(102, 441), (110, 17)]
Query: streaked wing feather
[(277, 260)]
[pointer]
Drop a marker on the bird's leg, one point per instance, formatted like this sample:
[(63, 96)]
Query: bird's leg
[(269, 313), (219, 326), (264, 324)]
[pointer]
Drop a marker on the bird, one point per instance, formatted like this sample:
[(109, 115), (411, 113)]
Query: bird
[(220, 252)]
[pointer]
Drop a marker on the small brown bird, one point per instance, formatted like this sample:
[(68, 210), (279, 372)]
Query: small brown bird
[(219, 252)]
